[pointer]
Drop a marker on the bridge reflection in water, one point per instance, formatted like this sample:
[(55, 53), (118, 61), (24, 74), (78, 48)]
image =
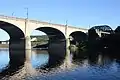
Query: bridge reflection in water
[(22, 68), (21, 61), (17, 64)]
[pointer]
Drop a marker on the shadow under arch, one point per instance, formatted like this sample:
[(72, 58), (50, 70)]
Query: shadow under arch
[(98, 41), (79, 36), (16, 45), (12, 30), (15, 33), (56, 45), (13, 66), (117, 30), (112, 42), (78, 43)]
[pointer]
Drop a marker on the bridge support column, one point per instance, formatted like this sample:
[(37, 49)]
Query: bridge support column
[(28, 66), (28, 55), (67, 47), (27, 42), (68, 57)]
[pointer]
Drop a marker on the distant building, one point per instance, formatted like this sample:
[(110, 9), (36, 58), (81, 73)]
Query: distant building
[(34, 39), (4, 42)]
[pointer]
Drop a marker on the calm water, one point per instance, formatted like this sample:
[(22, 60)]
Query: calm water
[(98, 67)]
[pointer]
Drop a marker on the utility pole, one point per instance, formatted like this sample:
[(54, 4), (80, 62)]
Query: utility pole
[(66, 27), (26, 20), (27, 37), (49, 21), (67, 38), (89, 26), (13, 14), (26, 13)]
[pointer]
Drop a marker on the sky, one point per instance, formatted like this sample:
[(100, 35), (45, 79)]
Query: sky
[(79, 13)]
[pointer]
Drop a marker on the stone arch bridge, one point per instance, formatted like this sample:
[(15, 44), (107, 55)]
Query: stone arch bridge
[(19, 29)]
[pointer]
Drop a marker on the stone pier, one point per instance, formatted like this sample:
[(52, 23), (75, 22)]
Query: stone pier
[(28, 42)]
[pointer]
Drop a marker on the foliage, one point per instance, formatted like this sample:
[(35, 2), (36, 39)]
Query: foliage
[(43, 39)]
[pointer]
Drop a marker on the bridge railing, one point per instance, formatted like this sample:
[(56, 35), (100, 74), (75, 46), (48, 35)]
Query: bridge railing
[(38, 22)]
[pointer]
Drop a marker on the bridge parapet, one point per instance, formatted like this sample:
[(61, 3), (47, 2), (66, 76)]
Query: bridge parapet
[(38, 22), (11, 18)]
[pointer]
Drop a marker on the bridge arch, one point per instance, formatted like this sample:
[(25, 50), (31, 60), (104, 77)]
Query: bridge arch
[(12, 30), (16, 41), (56, 44), (53, 34), (117, 30), (17, 36), (78, 42), (79, 36)]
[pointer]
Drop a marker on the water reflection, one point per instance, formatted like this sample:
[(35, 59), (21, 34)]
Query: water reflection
[(67, 63), (14, 64), (39, 58), (57, 53), (88, 68), (24, 62), (18, 66), (30, 63), (4, 57)]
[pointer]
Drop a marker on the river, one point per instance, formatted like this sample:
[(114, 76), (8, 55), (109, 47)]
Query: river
[(92, 67)]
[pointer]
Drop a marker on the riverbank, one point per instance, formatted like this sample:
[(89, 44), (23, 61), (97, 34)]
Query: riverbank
[(4, 45)]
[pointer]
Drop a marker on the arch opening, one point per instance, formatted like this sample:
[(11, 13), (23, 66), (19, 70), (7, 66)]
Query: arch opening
[(4, 52), (99, 38), (39, 43), (13, 31), (53, 34), (55, 45), (39, 39), (78, 43), (117, 30), (17, 37), (78, 36), (16, 42), (112, 42)]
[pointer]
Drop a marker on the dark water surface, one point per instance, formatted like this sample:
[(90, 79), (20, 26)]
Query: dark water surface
[(89, 67)]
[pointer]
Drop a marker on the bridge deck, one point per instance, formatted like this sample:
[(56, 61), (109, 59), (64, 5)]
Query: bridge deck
[(36, 21)]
